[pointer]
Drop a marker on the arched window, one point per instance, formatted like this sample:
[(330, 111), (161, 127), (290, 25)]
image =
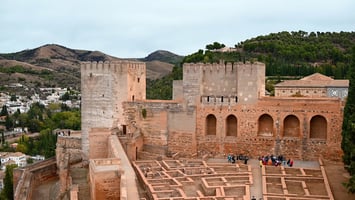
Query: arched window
[(211, 125), (318, 127), (266, 125), (291, 126), (231, 126)]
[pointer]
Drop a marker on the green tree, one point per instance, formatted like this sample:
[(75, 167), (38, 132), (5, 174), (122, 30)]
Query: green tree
[(4, 111), (13, 97), (215, 45), (9, 122), (8, 191), (348, 133), (65, 96)]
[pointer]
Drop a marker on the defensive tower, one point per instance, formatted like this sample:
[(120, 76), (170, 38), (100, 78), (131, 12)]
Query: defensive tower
[(105, 85)]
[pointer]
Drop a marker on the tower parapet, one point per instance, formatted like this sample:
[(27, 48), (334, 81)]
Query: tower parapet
[(243, 81)]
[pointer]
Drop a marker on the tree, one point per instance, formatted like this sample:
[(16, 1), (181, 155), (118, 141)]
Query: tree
[(13, 97), (9, 122), (8, 191), (65, 96), (4, 111), (215, 45), (348, 133)]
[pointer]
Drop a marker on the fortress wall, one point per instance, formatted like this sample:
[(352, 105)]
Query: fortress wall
[(98, 140), (105, 178), (177, 90), (105, 85), (154, 126), (26, 179), (219, 80), (301, 146), (192, 82), (182, 126), (68, 151), (245, 80), (136, 81), (251, 82)]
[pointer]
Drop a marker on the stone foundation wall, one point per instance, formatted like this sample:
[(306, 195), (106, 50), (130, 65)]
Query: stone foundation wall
[(182, 142)]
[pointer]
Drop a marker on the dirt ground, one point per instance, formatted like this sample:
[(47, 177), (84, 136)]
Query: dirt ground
[(336, 176)]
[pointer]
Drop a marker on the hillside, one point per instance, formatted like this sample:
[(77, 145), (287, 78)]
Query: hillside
[(160, 63), (54, 65), (290, 53)]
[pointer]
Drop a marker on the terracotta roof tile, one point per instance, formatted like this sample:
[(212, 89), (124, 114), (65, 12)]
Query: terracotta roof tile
[(314, 80)]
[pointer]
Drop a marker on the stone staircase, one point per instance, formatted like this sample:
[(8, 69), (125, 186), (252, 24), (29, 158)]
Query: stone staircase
[(79, 177)]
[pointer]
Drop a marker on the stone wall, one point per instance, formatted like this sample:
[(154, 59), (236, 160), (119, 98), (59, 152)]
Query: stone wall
[(105, 178), (28, 178), (300, 146), (304, 91), (98, 138), (104, 86), (68, 152), (246, 81), (154, 126)]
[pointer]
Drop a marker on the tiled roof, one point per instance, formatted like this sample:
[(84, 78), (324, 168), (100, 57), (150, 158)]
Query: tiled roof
[(314, 80)]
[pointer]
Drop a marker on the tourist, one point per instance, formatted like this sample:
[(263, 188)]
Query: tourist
[(233, 159), (246, 158)]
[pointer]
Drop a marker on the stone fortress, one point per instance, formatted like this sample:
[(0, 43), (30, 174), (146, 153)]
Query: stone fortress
[(217, 109)]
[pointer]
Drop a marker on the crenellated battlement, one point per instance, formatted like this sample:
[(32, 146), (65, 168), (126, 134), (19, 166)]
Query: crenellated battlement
[(229, 67), (113, 66)]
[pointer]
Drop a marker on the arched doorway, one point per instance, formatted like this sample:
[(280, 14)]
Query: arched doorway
[(291, 126), (266, 125), (231, 126), (318, 127), (211, 125)]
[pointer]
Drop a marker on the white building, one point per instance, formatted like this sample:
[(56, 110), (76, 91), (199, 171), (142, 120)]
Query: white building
[(17, 158)]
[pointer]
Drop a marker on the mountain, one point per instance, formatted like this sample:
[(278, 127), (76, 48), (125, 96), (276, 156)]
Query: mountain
[(160, 63), (163, 56), (54, 65), (47, 66)]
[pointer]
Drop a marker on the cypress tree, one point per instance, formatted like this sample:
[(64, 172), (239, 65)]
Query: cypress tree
[(8, 191), (348, 133)]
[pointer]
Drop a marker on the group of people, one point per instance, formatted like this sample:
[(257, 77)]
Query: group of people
[(232, 158), (63, 133), (275, 160)]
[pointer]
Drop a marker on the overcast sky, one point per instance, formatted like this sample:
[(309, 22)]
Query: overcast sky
[(135, 28)]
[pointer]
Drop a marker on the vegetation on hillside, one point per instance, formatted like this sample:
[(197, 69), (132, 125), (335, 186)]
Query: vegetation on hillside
[(292, 54), (162, 88), (348, 142), (43, 120)]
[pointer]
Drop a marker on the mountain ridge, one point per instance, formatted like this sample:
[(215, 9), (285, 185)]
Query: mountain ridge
[(60, 62)]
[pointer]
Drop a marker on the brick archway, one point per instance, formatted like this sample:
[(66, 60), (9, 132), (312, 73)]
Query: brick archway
[(291, 126), (265, 125), (318, 127), (211, 125), (231, 126)]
